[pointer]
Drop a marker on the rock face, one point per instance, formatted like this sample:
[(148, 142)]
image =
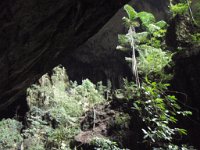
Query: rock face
[(186, 80), (98, 58), (35, 34), (186, 72)]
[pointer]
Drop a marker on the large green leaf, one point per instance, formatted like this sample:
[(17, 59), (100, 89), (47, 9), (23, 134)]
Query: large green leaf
[(123, 40), (132, 14), (162, 24), (142, 37), (146, 18), (152, 28)]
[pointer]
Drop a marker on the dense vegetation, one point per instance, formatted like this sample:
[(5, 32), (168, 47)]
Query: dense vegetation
[(57, 106), (157, 109)]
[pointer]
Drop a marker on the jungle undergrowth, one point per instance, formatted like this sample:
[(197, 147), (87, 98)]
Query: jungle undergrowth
[(57, 105), (157, 109)]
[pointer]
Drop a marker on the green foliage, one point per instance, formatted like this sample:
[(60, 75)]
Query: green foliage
[(34, 135), (60, 137), (104, 144), (179, 8), (33, 144), (10, 137), (152, 61), (182, 147), (157, 109), (149, 43), (184, 8), (196, 38), (89, 93), (146, 18), (52, 93), (56, 106), (122, 120), (162, 24), (142, 37), (132, 14)]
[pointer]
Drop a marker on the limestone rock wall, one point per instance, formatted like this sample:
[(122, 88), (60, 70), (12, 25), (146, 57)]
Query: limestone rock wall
[(35, 34)]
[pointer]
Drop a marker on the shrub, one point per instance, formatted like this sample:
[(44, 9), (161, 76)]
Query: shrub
[(149, 43), (156, 108), (56, 106), (179, 9), (104, 144), (10, 137), (152, 61), (196, 38)]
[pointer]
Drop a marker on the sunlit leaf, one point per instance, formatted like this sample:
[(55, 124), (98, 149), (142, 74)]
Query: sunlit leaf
[(132, 14)]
